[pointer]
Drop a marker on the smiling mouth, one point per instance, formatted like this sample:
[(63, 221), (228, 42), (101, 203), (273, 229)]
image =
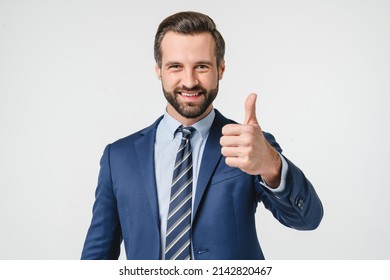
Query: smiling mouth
[(189, 94)]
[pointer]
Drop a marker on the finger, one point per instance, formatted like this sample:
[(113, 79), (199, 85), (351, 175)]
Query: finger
[(250, 109), (236, 129), (229, 141), (232, 129), (234, 162), (234, 141), (231, 152)]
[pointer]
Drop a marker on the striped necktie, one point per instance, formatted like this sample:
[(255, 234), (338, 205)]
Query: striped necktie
[(178, 238)]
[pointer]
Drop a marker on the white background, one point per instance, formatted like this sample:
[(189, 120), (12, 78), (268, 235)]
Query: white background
[(77, 75)]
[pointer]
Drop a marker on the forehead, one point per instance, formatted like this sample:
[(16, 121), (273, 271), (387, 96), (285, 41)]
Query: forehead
[(183, 47)]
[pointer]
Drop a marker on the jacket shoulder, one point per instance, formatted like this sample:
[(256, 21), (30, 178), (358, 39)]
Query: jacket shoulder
[(125, 141)]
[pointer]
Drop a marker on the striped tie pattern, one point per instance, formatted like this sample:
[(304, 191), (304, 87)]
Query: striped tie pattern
[(178, 239)]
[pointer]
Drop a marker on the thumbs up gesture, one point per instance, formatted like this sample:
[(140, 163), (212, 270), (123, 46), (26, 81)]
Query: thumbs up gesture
[(244, 146)]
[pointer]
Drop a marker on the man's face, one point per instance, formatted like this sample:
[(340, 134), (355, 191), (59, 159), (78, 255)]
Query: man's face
[(189, 75)]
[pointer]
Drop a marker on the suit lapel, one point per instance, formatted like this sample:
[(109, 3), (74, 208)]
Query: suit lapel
[(211, 157), (144, 148)]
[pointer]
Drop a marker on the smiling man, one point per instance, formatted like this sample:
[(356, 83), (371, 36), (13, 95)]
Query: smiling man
[(187, 187), (189, 73)]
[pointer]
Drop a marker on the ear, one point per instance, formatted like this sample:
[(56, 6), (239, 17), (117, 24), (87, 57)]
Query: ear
[(158, 71), (221, 69)]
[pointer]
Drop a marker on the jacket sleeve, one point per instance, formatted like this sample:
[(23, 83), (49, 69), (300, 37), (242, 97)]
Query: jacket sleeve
[(104, 235), (298, 205)]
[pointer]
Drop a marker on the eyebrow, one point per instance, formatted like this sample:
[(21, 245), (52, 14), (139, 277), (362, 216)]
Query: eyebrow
[(207, 62)]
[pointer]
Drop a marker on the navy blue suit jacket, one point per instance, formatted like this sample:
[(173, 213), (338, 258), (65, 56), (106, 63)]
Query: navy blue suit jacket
[(126, 205)]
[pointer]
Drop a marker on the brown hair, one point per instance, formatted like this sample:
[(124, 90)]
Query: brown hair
[(189, 23)]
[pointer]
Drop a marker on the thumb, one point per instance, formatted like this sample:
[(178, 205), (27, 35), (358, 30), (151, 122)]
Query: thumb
[(250, 109)]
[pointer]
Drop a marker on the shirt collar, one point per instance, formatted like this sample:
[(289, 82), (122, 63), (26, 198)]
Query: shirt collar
[(202, 126)]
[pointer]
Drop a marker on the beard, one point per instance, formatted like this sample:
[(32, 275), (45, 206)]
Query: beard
[(191, 110)]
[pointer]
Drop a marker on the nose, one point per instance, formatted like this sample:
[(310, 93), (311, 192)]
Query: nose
[(189, 79)]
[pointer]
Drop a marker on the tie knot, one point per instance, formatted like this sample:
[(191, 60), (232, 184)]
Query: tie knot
[(186, 131)]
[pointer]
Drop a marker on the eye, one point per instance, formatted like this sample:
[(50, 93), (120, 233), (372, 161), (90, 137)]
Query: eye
[(202, 67), (174, 66)]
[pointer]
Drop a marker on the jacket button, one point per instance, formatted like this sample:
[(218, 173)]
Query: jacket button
[(300, 203), (202, 251)]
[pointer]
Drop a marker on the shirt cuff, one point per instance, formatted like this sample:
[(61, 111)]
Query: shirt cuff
[(283, 176)]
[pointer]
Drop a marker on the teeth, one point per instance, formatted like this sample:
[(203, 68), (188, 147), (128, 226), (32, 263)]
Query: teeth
[(189, 94)]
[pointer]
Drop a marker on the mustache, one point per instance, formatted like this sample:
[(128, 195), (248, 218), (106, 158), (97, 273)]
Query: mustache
[(195, 88)]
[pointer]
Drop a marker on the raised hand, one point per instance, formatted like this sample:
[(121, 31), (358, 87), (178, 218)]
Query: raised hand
[(245, 147)]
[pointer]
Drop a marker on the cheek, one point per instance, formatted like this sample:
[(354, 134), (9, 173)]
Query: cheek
[(211, 81), (169, 81)]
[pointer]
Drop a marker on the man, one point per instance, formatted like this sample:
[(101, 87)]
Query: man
[(187, 187)]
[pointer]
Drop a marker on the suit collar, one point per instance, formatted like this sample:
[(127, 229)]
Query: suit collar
[(170, 125)]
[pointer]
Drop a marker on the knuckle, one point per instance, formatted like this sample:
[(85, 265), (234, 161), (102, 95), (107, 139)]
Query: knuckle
[(250, 150), (246, 161), (246, 140), (248, 128)]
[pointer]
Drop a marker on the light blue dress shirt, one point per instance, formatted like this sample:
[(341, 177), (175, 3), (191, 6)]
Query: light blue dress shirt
[(165, 149)]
